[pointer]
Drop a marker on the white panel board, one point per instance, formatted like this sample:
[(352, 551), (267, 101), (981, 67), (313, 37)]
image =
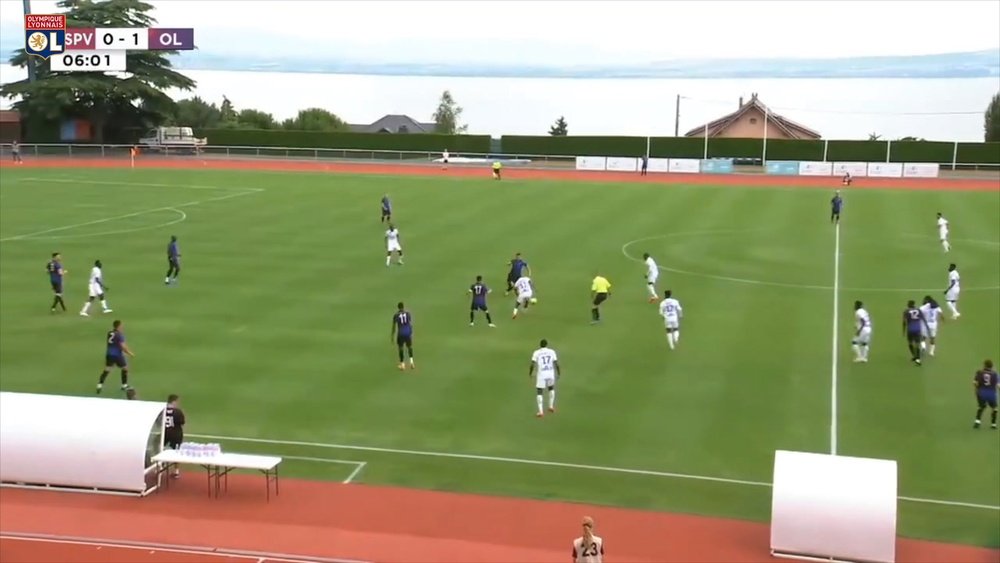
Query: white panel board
[(858, 169), (885, 169), (685, 165), (623, 164), (921, 170), (815, 168), (591, 163), (658, 165), (835, 507)]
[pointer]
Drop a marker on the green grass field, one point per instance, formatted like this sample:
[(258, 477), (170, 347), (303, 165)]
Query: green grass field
[(279, 330)]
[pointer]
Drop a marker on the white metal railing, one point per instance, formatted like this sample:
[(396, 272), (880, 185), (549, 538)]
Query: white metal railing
[(73, 150)]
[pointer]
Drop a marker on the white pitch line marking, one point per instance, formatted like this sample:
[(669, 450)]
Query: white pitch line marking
[(542, 463), (248, 191), (835, 337), (358, 465)]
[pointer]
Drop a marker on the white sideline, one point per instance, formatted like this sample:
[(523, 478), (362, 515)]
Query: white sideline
[(241, 192), (358, 465), (835, 338), (257, 556), (542, 463)]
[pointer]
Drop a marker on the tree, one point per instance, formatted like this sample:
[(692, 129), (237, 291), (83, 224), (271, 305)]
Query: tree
[(992, 121), (315, 119), (559, 128), (197, 113), (255, 119), (911, 139), (874, 137), (448, 115), (111, 102), (227, 113)]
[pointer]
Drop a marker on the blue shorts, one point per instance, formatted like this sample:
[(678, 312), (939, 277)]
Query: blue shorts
[(479, 306), (57, 286), (115, 361), (987, 398), (404, 340)]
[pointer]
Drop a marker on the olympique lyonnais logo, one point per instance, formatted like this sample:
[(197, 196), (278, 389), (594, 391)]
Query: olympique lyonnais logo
[(44, 35)]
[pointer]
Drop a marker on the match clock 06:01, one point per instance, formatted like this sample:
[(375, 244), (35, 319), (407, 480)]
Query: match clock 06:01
[(89, 61)]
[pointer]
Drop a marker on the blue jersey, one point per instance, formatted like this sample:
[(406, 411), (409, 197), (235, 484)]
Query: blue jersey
[(116, 342), (55, 270), (386, 206), (914, 320), (517, 267), (172, 251), (986, 382), (404, 323), (835, 203), (479, 291)]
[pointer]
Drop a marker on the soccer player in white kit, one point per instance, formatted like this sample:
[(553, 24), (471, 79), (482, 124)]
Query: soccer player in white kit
[(525, 294), (862, 333), (954, 288), (942, 225), (96, 289), (652, 274), (588, 548), (931, 311), (671, 311), (545, 368), (392, 244)]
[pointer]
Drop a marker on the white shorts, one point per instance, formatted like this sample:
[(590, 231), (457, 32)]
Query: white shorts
[(525, 297), (652, 279), (929, 330), (544, 380), (865, 337), (95, 290), (393, 246), (943, 235), (672, 323), (952, 294)]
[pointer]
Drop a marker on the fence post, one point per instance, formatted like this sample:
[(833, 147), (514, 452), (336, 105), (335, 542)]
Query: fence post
[(888, 150), (706, 143), (954, 156), (70, 148), (826, 148)]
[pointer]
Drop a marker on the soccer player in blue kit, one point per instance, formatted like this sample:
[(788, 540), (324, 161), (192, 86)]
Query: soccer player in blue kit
[(913, 328), (173, 261), (479, 291), (518, 268), (986, 383), (835, 204), (114, 355), (402, 333), (386, 209), (56, 272)]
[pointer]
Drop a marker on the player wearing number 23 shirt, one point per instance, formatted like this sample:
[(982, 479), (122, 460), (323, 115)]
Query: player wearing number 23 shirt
[(986, 383)]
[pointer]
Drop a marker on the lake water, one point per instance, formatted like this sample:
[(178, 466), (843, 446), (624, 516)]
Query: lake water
[(837, 108)]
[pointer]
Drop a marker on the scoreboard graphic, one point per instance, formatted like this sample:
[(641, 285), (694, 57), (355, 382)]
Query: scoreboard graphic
[(96, 49)]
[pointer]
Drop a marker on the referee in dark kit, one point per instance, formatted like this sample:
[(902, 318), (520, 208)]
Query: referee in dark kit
[(173, 423)]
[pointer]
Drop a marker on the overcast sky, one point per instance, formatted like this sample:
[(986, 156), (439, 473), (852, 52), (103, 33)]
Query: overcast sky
[(573, 32)]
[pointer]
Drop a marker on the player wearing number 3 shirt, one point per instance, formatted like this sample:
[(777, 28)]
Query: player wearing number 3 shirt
[(547, 363)]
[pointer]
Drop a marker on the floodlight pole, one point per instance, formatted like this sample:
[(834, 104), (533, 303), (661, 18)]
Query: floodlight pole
[(31, 60)]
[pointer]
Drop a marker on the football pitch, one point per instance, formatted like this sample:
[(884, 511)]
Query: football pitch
[(277, 336)]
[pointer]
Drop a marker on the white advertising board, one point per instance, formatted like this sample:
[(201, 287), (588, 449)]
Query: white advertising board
[(685, 165), (622, 164), (815, 168), (834, 507), (658, 165), (858, 169), (921, 170), (885, 169), (591, 163)]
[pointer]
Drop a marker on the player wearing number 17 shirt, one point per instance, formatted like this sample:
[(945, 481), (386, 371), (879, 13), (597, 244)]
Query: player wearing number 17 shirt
[(545, 369), (402, 333), (986, 393), (861, 343), (479, 292), (671, 311)]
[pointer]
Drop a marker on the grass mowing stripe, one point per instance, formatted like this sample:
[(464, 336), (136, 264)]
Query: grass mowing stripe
[(834, 338), (544, 463)]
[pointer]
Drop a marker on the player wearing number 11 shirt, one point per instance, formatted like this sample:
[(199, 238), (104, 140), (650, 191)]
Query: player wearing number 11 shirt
[(402, 332), (547, 363)]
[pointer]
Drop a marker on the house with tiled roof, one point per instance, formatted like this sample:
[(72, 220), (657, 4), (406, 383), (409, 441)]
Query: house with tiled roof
[(747, 122), (394, 124)]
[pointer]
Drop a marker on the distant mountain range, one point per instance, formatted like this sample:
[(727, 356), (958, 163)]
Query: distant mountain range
[(976, 64)]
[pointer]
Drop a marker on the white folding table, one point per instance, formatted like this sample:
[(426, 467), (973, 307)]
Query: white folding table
[(218, 467)]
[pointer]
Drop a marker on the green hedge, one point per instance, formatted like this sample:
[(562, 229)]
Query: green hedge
[(335, 140), (777, 149)]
